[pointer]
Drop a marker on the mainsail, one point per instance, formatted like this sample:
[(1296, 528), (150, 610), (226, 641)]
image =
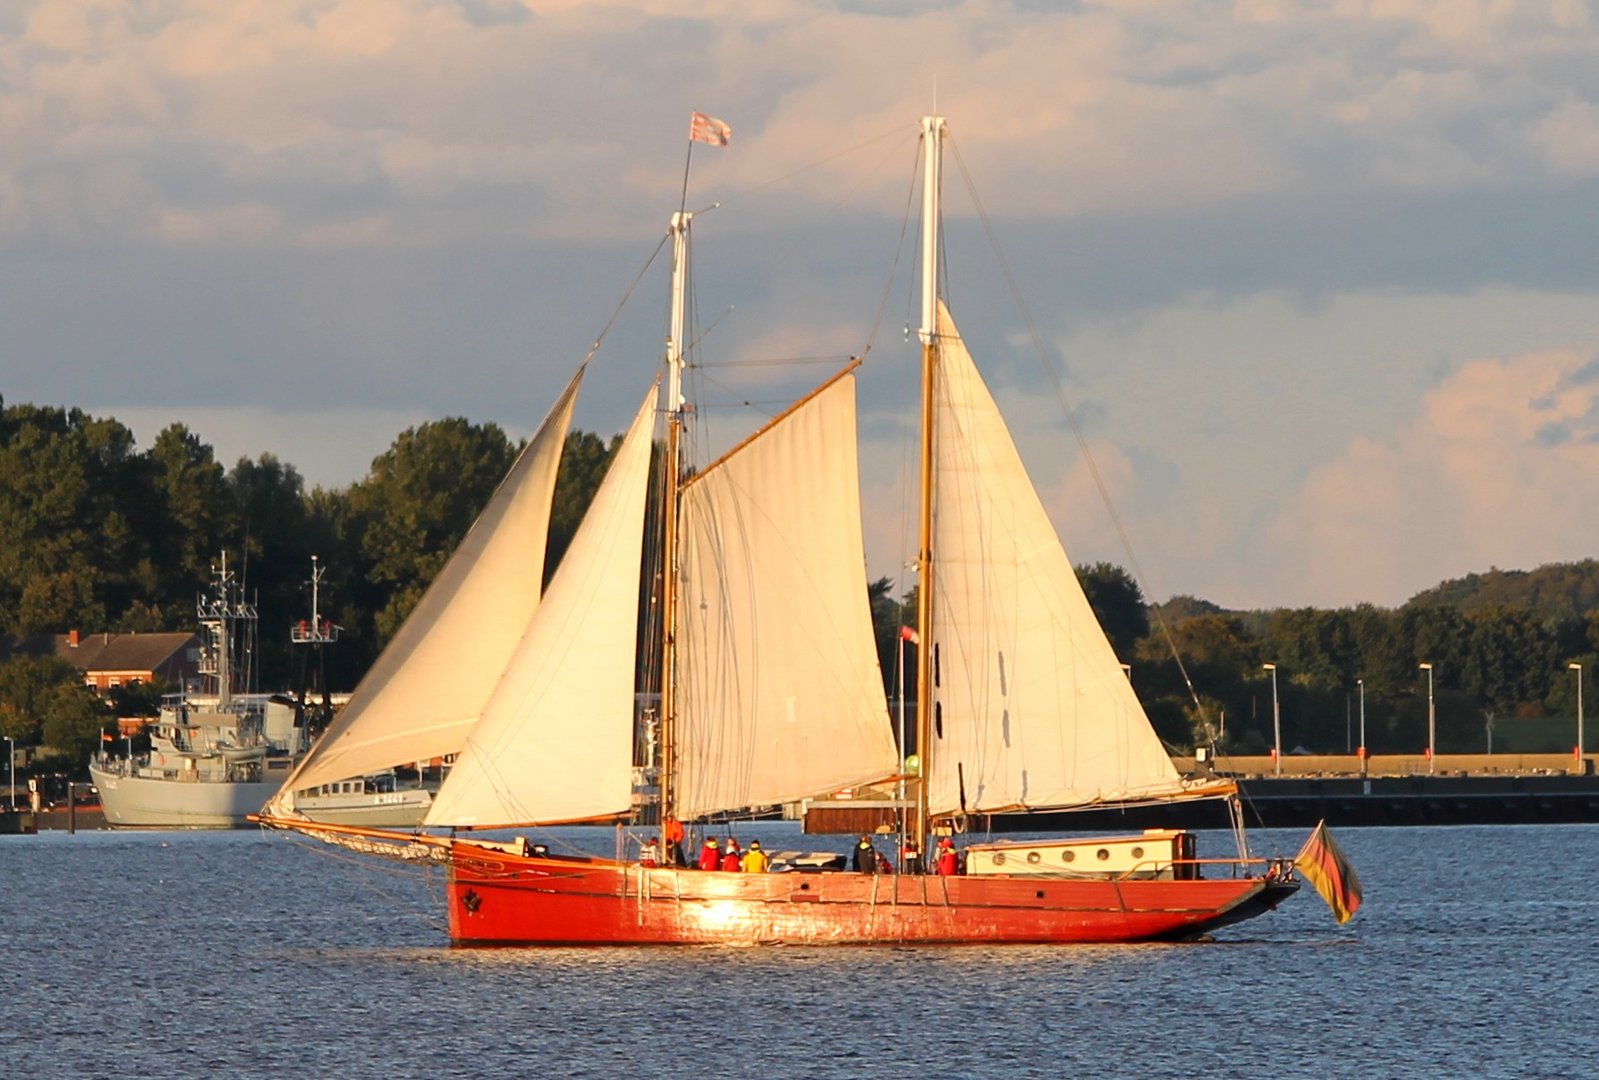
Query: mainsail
[(1031, 708), (555, 742), (780, 695), (429, 686)]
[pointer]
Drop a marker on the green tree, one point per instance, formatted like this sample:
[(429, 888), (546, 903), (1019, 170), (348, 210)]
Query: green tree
[(193, 518), (415, 506), (43, 702), (73, 720), (69, 550), (1118, 604), (584, 460)]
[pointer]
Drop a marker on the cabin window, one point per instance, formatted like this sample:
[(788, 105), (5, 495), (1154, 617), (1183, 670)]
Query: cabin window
[(1138, 853), (1102, 854), (1034, 857), (999, 858), (1068, 855)]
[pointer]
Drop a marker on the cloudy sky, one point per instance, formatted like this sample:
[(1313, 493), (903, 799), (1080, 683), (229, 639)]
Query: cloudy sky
[(1317, 279)]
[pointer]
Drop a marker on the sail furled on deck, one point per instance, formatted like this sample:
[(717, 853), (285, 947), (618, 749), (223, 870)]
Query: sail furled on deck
[(1031, 707), (427, 688), (555, 742), (779, 692)]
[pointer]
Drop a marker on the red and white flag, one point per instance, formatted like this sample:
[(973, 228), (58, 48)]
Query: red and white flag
[(907, 634), (709, 130)]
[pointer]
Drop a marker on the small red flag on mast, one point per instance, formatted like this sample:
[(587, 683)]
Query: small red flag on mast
[(907, 634), (709, 130)]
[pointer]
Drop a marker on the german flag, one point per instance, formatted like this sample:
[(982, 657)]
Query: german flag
[(1324, 866)]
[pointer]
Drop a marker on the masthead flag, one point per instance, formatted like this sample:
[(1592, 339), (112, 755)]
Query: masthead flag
[(709, 130), (1325, 867), (907, 634)]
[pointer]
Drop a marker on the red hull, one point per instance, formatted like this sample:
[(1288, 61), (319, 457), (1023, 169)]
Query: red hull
[(500, 899)]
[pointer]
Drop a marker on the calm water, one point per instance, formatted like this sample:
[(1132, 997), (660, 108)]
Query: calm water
[(237, 954)]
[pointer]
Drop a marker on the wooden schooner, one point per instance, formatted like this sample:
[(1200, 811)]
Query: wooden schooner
[(771, 690)]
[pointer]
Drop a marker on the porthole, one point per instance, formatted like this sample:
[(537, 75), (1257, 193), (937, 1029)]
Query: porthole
[(999, 858), (1138, 853), (1033, 857), (1102, 854), (1068, 855)]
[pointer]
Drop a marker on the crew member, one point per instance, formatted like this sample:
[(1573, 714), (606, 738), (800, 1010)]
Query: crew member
[(755, 860), (910, 857), (948, 860), (711, 854), (865, 856), (672, 835), (732, 861), (650, 853)]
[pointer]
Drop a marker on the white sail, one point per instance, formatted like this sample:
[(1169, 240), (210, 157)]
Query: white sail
[(555, 742), (779, 691), (1031, 707), (426, 690)]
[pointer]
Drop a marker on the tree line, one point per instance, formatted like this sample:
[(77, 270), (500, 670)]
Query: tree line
[(98, 535)]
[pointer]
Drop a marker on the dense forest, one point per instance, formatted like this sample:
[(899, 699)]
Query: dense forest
[(98, 535)]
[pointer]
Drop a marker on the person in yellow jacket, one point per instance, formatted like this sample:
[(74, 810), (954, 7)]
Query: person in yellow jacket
[(755, 860)]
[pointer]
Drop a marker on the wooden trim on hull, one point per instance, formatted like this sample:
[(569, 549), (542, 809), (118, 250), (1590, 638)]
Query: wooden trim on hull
[(497, 899)]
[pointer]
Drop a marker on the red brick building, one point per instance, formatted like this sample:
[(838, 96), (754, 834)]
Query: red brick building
[(111, 660)]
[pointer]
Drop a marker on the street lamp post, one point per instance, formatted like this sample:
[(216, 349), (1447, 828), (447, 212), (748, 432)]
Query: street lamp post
[(1360, 684), (1432, 722), (1580, 748), (1276, 720)]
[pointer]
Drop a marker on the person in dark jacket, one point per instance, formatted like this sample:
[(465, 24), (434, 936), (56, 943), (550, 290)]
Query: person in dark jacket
[(865, 856)]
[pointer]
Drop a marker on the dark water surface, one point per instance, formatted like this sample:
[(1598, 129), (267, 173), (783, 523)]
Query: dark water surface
[(238, 954)]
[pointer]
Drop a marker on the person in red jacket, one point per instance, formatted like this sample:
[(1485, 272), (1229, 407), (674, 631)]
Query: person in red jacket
[(948, 861), (710, 854), (731, 859)]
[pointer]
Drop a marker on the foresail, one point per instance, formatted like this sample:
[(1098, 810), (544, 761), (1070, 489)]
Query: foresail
[(1031, 707), (779, 691), (427, 688), (555, 742)]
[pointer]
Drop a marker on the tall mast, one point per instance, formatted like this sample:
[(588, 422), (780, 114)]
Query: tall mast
[(932, 177), (674, 429)]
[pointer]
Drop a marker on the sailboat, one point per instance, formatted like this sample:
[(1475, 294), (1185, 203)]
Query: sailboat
[(770, 690)]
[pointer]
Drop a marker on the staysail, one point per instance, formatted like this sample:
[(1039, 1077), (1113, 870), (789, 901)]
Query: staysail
[(428, 687), (1031, 707), (780, 695), (555, 742)]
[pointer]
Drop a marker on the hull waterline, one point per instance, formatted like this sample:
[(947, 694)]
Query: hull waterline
[(502, 899)]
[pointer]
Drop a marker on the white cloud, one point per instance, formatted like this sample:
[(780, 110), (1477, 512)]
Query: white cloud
[(1499, 468)]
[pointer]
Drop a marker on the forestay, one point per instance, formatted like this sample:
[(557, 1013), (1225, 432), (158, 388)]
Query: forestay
[(780, 695), (1031, 706)]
